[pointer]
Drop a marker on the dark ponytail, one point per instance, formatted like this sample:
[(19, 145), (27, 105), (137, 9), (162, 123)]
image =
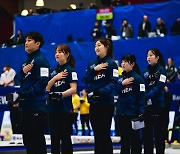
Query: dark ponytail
[(131, 59), (157, 53), (71, 60), (66, 49)]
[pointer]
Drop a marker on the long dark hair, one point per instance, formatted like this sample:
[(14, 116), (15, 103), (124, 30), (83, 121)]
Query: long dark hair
[(107, 43), (66, 49), (131, 59), (157, 53)]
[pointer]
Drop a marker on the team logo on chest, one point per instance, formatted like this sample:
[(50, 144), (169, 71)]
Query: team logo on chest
[(127, 89), (99, 75), (59, 83)]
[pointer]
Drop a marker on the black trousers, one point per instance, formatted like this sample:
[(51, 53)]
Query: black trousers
[(100, 118), (85, 120), (60, 130), (74, 122), (154, 130), (130, 139), (33, 124), (16, 120)]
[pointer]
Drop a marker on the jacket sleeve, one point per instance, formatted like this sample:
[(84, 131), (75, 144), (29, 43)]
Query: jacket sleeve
[(160, 83), (119, 86), (113, 78), (88, 75)]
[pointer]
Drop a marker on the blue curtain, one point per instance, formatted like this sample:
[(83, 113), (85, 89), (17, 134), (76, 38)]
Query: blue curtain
[(57, 26)]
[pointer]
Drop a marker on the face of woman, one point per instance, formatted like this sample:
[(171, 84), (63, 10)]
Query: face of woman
[(100, 49), (126, 66), (170, 62), (61, 56), (151, 58)]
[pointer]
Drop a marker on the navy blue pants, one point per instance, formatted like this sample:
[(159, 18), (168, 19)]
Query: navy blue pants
[(33, 127), (100, 118), (60, 129)]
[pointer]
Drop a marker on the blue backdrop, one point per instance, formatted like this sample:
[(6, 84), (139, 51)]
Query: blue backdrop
[(84, 52), (57, 26)]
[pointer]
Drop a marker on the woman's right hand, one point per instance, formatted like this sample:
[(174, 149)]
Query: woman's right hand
[(101, 66), (61, 75), (127, 81)]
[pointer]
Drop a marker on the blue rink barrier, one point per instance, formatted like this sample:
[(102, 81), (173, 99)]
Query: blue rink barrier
[(3, 92), (173, 89)]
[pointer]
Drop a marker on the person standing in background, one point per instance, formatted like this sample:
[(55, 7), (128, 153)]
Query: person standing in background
[(178, 73), (101, 78), (7, 77), (19, 38), (97, 31), (155, 78), (144, 27), (33, 78), (76, 106), (126, 29), (160, 28), (171, 70), (84, 112), (61, 87), (110, 30)]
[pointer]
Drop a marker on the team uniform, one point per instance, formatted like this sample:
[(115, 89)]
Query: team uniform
[(102, 82), (155, 78), (130, 104), (33, 102), (60, 112)]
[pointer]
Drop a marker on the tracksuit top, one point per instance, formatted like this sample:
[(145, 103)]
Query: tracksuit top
[(131, 97), (65, 105), (155, 78), (76, 102), (104, 80), (33, 84), (84, 107)]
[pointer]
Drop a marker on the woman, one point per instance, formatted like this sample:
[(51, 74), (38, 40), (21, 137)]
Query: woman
[(101, 77), (155, 78), (130, 104), (62, 85), (171, 70)]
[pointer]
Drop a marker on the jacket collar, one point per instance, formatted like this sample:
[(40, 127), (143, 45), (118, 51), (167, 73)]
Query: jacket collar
[(33, 54)]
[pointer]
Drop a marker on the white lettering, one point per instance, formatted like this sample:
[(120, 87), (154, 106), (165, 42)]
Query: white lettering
[(126, 90), (3, 100), (59, 83), (176, 98), (97, 77)]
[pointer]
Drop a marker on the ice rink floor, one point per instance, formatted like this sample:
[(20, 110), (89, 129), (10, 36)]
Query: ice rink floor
[(168, 151), (81, 145)]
